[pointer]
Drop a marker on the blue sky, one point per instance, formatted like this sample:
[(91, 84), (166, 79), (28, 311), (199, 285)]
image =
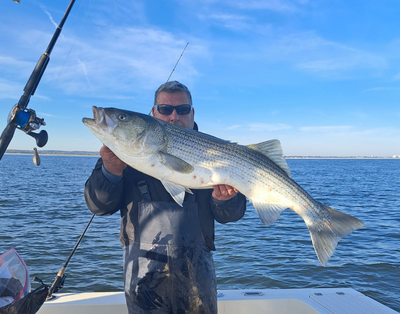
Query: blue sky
[(323, 77)]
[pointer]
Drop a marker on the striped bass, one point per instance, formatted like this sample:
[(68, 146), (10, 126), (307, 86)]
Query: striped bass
[(183, 159)]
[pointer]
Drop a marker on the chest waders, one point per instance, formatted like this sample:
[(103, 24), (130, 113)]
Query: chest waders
[(168, 268)]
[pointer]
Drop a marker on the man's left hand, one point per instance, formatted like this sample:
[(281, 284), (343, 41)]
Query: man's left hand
[(224, 192)]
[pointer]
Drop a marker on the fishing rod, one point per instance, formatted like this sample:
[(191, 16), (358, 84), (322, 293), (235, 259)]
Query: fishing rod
[(25, 119), (58, 281), (177, 61), (174, 68)]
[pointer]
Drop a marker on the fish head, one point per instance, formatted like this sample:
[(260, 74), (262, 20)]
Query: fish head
[(126, 133)]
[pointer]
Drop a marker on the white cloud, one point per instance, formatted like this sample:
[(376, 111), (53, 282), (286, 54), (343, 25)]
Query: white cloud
[(344, 60), (260, 127), (377, 89), (361, 115), (382, 132), (312, 53), (231, 21), (237, 14), (123, 59), (233, 127), (270, 5), (351, 133), (336, 128), (50, 17), (11, 62), (14, 69), (9, 90), (48, 115), (84, 71)]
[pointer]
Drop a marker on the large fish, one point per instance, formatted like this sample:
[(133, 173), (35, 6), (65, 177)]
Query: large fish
[(184, 159)]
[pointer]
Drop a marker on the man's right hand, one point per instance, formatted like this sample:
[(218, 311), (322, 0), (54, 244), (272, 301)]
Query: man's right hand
[(111, 162)]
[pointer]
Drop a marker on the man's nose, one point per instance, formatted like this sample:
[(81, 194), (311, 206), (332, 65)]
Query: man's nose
[(174, 116)]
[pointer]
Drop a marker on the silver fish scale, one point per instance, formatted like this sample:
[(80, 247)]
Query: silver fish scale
[(249, 166), (200, 149)]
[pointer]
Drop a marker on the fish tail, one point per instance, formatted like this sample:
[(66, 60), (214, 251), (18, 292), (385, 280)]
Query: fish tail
[(326, 236)]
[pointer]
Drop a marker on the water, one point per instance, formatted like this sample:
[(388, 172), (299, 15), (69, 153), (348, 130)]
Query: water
[(43, 213)]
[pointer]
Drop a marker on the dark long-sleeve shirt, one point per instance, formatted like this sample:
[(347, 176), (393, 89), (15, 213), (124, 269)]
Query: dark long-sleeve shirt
[(105, 198)]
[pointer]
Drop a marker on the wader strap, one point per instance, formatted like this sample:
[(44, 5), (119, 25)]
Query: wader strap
[(144, 190)]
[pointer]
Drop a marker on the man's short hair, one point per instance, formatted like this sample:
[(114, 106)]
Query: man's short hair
[(172, 87)]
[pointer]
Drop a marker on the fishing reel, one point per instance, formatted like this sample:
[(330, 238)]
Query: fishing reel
[(27, 121)]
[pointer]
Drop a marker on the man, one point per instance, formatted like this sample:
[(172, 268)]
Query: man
[(168, 263)]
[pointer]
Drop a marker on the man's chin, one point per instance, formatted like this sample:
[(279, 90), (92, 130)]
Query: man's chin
[(179, 124)]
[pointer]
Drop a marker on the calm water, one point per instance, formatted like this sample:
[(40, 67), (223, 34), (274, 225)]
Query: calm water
[(43, 213)]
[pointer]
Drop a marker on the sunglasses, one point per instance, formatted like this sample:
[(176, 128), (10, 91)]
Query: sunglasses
[(166, 110)]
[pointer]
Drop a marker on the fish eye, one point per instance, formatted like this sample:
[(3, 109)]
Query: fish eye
[(122, 117)]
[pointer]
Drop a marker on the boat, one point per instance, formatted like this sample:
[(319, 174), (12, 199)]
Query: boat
[(263, 301)]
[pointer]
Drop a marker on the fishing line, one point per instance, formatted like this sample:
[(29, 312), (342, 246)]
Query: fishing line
[(69, 53), (174, 68), (58, 281), (177, 61)]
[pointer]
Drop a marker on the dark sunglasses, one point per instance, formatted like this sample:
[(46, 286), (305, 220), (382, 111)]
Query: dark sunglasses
[(166, 110)]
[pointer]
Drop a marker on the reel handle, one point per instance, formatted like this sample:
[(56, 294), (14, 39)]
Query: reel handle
[(41, 137)]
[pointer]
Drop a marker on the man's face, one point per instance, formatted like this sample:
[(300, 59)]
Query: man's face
[(175, 99)]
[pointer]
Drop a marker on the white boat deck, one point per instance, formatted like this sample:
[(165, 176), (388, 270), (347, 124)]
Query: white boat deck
[(266, 301)]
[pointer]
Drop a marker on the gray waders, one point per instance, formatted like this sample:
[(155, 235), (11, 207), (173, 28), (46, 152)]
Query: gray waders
[(168, 268)]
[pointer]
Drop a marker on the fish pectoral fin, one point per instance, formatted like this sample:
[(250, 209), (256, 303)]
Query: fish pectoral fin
[(189, 191), (174, 163), (273, 150), (176, 191), (268, 212)]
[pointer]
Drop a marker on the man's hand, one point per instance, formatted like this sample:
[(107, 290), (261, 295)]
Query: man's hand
[(223, 192), (112, 163)]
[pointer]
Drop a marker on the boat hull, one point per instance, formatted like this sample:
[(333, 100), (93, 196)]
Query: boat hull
[(266, 301)]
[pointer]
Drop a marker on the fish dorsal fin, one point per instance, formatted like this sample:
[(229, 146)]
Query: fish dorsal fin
[(174, 163), (273, 150), (176, 191)]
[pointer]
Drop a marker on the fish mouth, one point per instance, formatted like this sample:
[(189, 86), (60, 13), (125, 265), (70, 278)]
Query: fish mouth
[(99, 115), (100, 119)]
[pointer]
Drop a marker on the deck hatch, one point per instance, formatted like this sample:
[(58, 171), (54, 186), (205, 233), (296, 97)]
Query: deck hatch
[(341, 302)]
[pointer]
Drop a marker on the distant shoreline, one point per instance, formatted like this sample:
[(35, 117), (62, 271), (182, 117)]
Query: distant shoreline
[(338, 157), (96, 154), (52, 152)]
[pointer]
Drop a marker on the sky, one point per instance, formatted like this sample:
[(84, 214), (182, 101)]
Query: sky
[(323, 77)]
